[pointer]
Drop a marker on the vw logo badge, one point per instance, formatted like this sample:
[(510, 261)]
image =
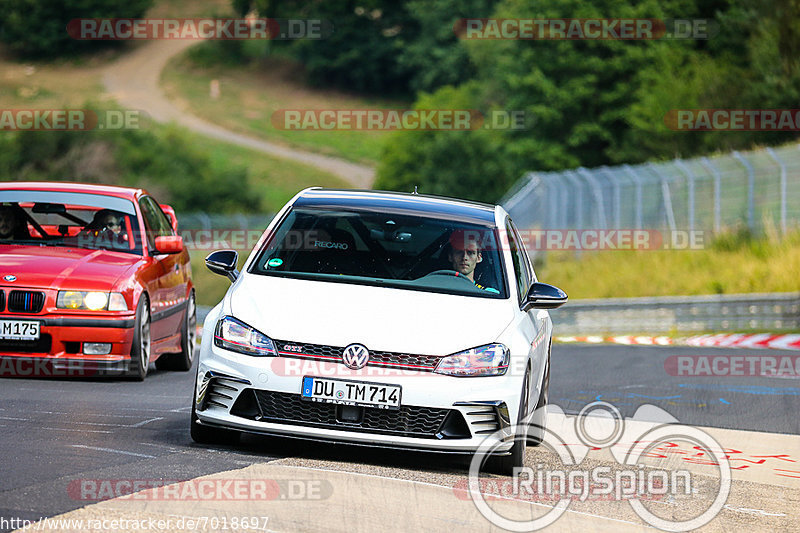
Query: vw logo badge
[(355, 356), (10, 277)]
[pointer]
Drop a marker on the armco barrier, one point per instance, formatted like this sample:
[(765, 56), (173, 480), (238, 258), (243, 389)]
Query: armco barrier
[(777, 312)]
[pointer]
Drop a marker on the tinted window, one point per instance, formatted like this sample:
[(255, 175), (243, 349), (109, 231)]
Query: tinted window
[(75, 220), (155, 220), (401, 251), (521, 271)]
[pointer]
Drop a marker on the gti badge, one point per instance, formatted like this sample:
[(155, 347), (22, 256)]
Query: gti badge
[(355, 356), (10, 277)]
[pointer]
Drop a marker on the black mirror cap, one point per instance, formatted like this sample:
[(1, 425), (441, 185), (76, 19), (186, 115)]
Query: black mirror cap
[(223, 262), (544, 296)]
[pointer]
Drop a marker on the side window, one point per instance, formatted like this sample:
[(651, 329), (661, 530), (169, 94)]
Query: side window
[(155, 221), (520, 261)]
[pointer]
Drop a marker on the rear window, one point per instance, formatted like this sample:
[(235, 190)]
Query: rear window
[(400, 251)]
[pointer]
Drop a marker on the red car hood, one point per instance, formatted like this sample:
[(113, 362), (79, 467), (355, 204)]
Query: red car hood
[(54, 267)]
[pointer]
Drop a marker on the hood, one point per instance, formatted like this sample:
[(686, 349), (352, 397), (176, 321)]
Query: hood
[(380, 318), (51, 267)]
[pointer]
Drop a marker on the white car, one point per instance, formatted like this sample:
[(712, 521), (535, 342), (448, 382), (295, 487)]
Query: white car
[(382, 319)]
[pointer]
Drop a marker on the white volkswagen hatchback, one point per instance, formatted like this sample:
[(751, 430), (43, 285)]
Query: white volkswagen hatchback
[(385, 319)]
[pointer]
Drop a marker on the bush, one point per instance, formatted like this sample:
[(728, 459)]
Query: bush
[(38, 27)]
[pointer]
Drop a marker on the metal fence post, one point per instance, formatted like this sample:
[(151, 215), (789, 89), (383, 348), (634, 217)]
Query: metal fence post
[(751, 189), (617, 195), (667, 196), (637, 180), (690, 182), (717, 186), (598, 196), (778, 160), (576, 181)]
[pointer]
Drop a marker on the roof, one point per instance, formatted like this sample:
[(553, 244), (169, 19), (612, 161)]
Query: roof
[(65, 186), (397, 203)]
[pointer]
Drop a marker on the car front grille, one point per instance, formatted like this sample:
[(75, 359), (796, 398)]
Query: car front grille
[(323, 352), (286, 408), (25, 301), (2, 300)]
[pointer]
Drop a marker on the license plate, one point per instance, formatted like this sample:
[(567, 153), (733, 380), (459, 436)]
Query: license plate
[(345, 392), (19, 330)]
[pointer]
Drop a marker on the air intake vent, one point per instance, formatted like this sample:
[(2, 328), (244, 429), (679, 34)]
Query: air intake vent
[(25, 301), (486, 417)]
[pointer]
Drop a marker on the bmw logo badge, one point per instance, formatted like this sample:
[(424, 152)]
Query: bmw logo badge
[(10, 277)]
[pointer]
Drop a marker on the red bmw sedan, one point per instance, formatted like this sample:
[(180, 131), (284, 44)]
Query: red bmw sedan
[(94, 280)]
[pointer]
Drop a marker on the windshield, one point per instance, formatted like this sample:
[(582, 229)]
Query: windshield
[(401, 251), (78, 220)]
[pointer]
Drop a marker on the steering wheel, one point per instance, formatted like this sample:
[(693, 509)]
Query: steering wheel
[(452, 273)]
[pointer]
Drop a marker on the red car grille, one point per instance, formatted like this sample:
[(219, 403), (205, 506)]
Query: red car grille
[(25, 301)]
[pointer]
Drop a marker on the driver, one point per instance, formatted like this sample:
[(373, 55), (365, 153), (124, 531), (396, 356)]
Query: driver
[(11, 226), (464, 254)]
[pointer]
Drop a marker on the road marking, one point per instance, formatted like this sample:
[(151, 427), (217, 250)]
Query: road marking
[(143, 422), (78, 430), (111, 450)]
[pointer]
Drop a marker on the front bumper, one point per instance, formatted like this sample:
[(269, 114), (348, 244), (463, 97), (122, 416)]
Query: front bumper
[(438, 413), (59, 350)]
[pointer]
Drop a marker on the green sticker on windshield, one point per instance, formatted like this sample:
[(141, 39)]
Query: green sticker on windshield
[(489, 289), (275, 262)]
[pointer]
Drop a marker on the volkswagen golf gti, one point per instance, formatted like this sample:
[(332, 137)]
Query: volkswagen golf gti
[(383, 319)]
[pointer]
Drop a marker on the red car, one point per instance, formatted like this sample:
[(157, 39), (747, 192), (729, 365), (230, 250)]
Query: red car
[(93, 280)]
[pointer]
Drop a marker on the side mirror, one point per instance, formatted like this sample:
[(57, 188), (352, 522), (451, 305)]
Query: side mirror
[(544, 296), (173, 218), (169, 245), (223, 262)]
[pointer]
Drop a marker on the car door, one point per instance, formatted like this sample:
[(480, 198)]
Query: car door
[(534, 322), (168, 294)]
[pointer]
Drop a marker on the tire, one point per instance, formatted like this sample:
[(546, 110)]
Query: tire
[(140, 348), (183, 360), (538, 425), (505, 464), (210, 435)]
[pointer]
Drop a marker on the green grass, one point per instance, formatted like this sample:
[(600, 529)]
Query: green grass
[(273, 180), (251, 93), (733, 263)]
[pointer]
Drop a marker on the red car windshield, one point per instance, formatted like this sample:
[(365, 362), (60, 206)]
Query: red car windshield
[(79, 220)]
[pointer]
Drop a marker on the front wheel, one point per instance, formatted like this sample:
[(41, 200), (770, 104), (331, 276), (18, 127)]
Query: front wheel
[(140, 348)]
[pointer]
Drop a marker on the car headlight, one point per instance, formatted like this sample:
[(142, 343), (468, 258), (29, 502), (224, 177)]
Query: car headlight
[(237, 336), (91, 300), (489, 360)]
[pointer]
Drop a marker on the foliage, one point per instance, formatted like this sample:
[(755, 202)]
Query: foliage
[(37, 28)]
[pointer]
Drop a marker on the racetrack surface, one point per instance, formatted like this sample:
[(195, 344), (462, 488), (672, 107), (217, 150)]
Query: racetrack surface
[(57, 432)]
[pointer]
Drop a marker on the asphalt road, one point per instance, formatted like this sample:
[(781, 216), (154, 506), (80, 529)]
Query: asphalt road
[(55, 432)]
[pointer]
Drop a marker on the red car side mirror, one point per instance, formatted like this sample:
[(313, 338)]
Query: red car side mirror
[(169, 245), (173, 218)]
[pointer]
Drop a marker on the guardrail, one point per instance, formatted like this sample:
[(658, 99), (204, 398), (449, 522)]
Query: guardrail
[(773, 312)]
